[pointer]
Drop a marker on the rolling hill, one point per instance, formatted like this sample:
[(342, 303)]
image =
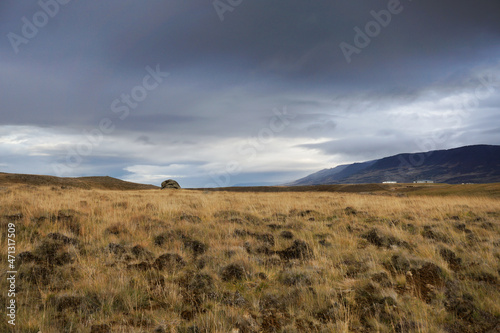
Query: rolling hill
[(104, 183), (469, 164)]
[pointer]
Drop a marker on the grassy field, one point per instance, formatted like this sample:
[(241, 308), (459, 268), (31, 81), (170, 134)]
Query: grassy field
[(488, 190), (201, 261)]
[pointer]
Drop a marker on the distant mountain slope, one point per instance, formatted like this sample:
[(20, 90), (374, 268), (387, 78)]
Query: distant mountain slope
[(332, 176), (470, 164), (104, 183)]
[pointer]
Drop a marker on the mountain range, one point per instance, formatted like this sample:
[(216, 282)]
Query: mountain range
[(469, 164)]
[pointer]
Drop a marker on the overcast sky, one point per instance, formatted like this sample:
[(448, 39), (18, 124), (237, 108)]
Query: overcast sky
[(241, 91)]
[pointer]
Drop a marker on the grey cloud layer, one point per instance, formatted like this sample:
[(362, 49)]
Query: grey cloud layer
[(227, 77)]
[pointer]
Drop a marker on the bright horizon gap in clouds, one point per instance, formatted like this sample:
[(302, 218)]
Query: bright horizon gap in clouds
[(213, 119)]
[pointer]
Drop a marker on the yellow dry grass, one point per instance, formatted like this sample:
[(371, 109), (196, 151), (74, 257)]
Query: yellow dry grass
[(365, 274)]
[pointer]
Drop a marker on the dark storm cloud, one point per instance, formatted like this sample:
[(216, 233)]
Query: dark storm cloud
[(98, 46), (288, 36), (227, 78)]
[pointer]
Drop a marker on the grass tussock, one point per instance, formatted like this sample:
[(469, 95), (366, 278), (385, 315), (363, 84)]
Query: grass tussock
[(192, 261)]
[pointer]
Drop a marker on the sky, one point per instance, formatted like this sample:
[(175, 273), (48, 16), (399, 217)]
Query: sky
[(225, 92)]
